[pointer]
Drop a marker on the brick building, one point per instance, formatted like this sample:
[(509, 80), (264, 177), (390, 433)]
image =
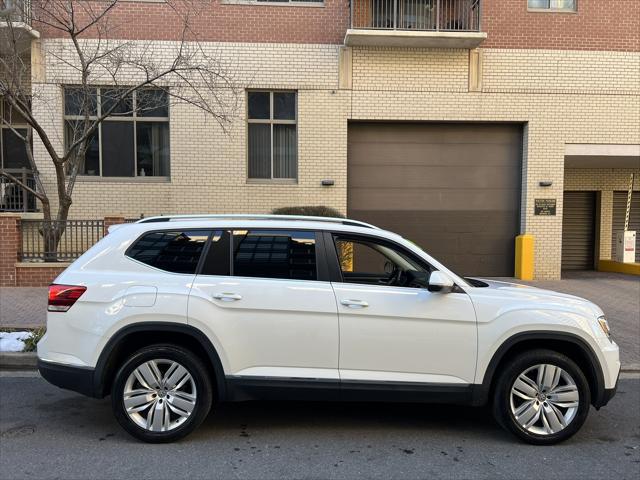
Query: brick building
[(448, 121)]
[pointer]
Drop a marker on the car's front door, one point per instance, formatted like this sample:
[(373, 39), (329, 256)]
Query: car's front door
[(269, 310), (391, 330)]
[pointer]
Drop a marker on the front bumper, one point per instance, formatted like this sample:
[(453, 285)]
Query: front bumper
[(606, 395), (78, 379)]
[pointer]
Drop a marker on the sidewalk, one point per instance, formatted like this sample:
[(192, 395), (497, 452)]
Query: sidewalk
[(617, 294), (23, 307)]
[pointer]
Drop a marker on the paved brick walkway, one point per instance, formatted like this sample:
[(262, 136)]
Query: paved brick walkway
[(618, 295)]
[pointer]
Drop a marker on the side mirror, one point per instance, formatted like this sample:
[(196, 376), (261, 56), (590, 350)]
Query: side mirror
[(439, 282)]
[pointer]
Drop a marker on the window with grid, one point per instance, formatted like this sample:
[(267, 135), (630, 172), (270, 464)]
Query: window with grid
[(272, 138), (569, 5), (13, 152), (133, 141)]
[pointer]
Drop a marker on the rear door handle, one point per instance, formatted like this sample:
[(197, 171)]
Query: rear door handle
[(227, 297), (354, 303)]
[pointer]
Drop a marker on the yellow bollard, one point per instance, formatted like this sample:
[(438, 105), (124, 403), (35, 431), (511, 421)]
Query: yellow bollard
[(524, 256)]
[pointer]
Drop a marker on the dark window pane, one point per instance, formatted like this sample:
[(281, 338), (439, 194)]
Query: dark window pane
[(14, 153), (177, 252), (90, 165), (11, 115), (218, 261), (285, 151), (259, 150), (153, 148), (77, 101), (117, 149), (152, 102), (275, 254), (112, 98), (284, 105), (258, 105)]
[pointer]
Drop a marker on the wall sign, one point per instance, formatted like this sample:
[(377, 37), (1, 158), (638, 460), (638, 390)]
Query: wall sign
[(545, 206)]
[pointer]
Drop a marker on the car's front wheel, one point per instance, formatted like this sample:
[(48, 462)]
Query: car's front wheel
[(161, 393), (542, 397)]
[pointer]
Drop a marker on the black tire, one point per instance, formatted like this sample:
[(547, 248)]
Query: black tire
[(196, 369), (506, 379)]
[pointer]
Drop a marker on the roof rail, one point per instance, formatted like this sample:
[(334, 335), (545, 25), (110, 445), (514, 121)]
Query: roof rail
[(299, 218)]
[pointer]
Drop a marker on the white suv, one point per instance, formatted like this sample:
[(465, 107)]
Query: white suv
[(172, 314)]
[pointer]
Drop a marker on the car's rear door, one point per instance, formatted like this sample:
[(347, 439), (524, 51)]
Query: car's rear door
[(264, 298)]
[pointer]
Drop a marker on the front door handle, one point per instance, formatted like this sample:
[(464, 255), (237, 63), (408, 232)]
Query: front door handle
[(227, 297), (354, 303)]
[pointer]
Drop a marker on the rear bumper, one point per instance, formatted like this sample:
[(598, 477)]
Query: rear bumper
[(78, 379)]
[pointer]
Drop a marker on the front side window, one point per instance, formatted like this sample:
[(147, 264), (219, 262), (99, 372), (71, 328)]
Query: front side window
[(274, 254), (133, 141), (553, 4), (376, 263), (272, 139), (172, 251)]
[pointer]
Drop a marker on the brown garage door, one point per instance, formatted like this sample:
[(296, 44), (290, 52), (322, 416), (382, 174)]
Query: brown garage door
[(578, 230), (619, 212), (452, 188)]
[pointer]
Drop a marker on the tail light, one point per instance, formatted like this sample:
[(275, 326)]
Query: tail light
[(62, 297)]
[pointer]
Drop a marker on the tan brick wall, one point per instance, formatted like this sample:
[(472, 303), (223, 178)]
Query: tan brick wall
[(543, 90)]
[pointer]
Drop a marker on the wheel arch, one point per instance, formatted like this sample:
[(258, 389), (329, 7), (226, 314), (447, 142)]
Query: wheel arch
[(135, 336), (568, 344)]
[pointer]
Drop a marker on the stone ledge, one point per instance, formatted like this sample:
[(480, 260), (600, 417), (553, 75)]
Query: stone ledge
[(42, 264)]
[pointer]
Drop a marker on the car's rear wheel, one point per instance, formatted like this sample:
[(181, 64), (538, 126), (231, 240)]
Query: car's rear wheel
[(542, 397), (161, 393)]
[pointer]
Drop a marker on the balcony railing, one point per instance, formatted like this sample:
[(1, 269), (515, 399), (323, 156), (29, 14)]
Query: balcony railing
[(417, 15), (15, 198), (16, 11)]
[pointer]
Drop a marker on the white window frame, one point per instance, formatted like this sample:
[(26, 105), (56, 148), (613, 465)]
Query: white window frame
[(133, 119), (282, 3), (271, 122), (551, 9)]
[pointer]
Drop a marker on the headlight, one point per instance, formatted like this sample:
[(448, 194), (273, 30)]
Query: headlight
[(604, 325)]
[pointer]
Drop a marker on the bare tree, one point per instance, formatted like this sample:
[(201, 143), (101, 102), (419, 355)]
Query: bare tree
[(84, 38)]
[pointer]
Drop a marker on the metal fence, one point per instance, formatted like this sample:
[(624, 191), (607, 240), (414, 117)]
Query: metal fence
[(15, 198), (76, 237), (427, 15), (19, 10)]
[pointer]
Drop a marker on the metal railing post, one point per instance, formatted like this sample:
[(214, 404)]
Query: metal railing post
[(395, 14), (351, 2), (437, 15), (25, 193)]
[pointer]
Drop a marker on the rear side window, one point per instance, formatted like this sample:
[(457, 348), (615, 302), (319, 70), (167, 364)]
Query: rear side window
[(172, 251), (274, 254)]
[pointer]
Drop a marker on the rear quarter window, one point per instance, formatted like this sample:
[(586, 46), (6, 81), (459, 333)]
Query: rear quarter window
[(171, 251)]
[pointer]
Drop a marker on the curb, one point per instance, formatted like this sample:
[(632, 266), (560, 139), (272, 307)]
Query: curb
[(18, 361), (29, 361)]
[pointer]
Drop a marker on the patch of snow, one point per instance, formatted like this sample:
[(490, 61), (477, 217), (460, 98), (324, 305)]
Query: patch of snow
[(13, 341)]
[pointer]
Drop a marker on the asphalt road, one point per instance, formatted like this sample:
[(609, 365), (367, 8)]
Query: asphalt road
[(46, 432)]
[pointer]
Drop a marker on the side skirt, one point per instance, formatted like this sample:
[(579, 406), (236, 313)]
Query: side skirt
[(305, 389)]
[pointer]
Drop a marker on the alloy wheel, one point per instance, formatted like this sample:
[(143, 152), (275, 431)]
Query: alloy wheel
[(159, 395), (544, 399)]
